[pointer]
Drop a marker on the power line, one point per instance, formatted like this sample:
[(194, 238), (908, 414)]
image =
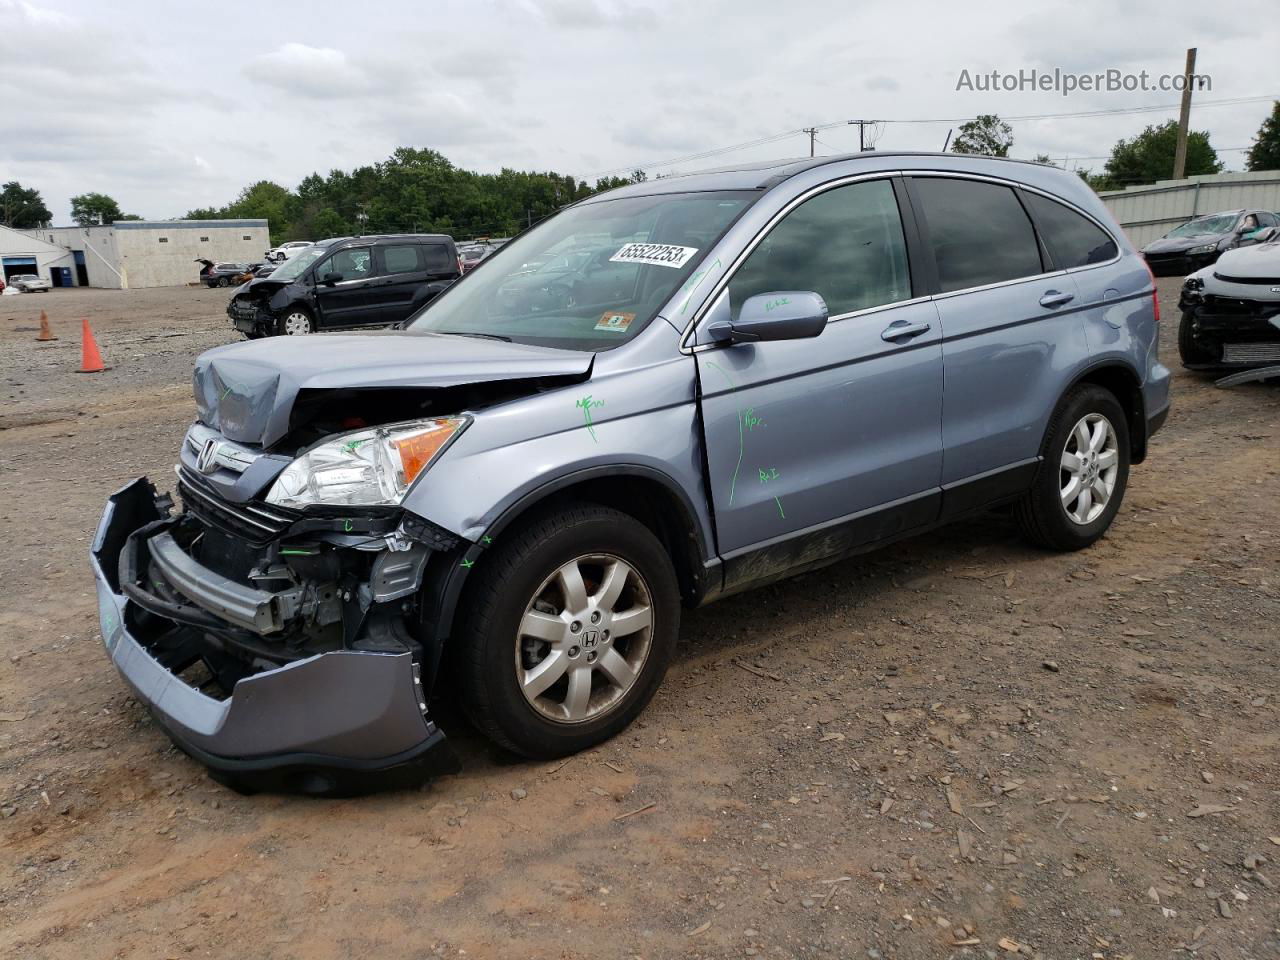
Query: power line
[(817, 128)]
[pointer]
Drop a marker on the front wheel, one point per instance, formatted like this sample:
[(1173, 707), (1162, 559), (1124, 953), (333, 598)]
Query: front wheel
[(297, 323), (567, 631), (1192, 350), (1082, 479)]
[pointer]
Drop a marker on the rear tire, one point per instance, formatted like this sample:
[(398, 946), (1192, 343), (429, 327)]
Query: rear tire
[(1086, 455), (224, 282), (521, 585), (1193, 351)]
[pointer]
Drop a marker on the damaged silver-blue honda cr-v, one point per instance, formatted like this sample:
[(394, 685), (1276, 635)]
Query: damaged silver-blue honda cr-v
[(660, 396)]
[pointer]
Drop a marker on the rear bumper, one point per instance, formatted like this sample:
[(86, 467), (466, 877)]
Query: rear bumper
[(336, 723)]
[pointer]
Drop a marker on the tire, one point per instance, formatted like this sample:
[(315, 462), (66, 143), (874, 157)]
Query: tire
[(496, 658), (1193, 351), (1043, 516), (224, 282), (295, 322)]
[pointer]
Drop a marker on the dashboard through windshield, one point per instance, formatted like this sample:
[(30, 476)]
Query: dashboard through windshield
[(591, 277)]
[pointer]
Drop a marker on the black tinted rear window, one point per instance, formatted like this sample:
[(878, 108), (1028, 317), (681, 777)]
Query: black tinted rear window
[(1072, 239), (979, 232), (438, 258)]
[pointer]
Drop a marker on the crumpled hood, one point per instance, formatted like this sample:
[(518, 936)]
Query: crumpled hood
[(247, 391), (1257, 262), (1178, 244)]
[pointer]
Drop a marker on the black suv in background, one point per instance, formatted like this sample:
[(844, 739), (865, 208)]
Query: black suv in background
[(346, 282)]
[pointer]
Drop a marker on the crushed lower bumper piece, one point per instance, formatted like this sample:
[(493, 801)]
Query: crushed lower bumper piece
[(337, 723)]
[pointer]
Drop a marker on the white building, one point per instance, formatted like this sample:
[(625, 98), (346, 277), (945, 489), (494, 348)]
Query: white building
[(22, 253), (154, 253)]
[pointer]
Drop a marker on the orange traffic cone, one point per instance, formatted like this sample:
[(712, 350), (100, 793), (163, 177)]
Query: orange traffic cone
[(45, 332), (91, 361)]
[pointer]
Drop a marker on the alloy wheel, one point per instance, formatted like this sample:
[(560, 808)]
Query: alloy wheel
[(584, 639), (1090, 466)]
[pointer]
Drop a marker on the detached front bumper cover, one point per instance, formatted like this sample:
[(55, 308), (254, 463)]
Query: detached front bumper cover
[(337, 723)]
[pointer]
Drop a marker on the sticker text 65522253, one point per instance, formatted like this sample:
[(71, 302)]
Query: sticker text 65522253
[(658, 254)]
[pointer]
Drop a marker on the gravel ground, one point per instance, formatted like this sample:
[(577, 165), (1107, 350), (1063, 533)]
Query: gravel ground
[(958, 746)]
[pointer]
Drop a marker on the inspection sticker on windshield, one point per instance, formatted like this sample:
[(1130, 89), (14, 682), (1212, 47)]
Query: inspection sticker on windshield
[(659, 254), (615, 322)]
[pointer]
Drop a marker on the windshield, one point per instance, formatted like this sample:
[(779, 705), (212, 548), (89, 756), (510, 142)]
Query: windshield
[(589, 278), (1219, 223), (296, 265)]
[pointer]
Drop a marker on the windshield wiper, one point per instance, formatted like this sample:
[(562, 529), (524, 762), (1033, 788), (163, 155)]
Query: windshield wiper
[(483, 336)]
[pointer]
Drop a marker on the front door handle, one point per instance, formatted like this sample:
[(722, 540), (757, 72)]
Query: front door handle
[(1056, 298), (900, 329)]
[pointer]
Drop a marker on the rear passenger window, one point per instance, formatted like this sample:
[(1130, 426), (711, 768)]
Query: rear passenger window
[(402, 259), (979, 232), (845, 244), (1073, 240), (438, 259)]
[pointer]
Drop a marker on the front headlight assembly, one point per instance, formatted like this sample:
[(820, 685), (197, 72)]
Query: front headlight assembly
[(367, 468), (1203, 248)]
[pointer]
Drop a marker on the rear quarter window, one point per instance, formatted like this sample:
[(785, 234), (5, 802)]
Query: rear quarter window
[(438, 258), (1073, 239)]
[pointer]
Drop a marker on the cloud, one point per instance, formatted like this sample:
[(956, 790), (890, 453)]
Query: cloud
[(319, 73), (596, 14), (881, 82)]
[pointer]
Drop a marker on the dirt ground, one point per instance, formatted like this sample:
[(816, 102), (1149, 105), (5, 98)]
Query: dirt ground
[(959, 746)]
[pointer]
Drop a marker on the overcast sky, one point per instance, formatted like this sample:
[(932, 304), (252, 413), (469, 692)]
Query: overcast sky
[(169, 106)]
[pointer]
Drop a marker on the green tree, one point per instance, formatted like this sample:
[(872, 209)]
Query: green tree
[(1265, 152), (22, 208), (90, 209), (988, 135), (1148, 157)]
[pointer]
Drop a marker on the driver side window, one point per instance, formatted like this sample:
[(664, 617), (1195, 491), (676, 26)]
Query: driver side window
[(355, 263), (845, 244)]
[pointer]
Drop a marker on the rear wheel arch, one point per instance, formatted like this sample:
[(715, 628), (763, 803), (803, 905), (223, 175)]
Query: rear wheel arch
[(1122, 382)]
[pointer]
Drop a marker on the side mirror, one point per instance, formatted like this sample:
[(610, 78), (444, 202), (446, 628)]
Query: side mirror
[(1266, 234), (330, 278), (781, 315)]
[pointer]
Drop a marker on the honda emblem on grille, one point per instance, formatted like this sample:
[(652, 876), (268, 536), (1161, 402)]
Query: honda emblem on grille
[(207, 459)]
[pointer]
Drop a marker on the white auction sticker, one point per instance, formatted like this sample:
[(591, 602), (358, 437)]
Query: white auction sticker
[(658, 254)]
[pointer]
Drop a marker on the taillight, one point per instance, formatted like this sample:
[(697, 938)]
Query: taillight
[(1155, 292)]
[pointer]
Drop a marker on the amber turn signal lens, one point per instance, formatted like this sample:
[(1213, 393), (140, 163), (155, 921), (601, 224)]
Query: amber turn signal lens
[(417, 452)]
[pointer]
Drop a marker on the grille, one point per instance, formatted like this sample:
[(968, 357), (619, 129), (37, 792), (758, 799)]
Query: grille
[(1235, 307), (256, 523), (1251, 353)]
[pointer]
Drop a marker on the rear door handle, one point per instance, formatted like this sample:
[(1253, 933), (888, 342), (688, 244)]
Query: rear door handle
[(900, 329), (1055, 298)]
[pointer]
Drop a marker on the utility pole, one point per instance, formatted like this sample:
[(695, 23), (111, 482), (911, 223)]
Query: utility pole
[(1184, 118), (813, 135), (862, 138)]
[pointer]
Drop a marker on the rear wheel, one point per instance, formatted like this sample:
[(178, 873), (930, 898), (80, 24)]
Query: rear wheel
[(567, 631), (1082, 479), (224, 282), (1194, 352), (296, 323)]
